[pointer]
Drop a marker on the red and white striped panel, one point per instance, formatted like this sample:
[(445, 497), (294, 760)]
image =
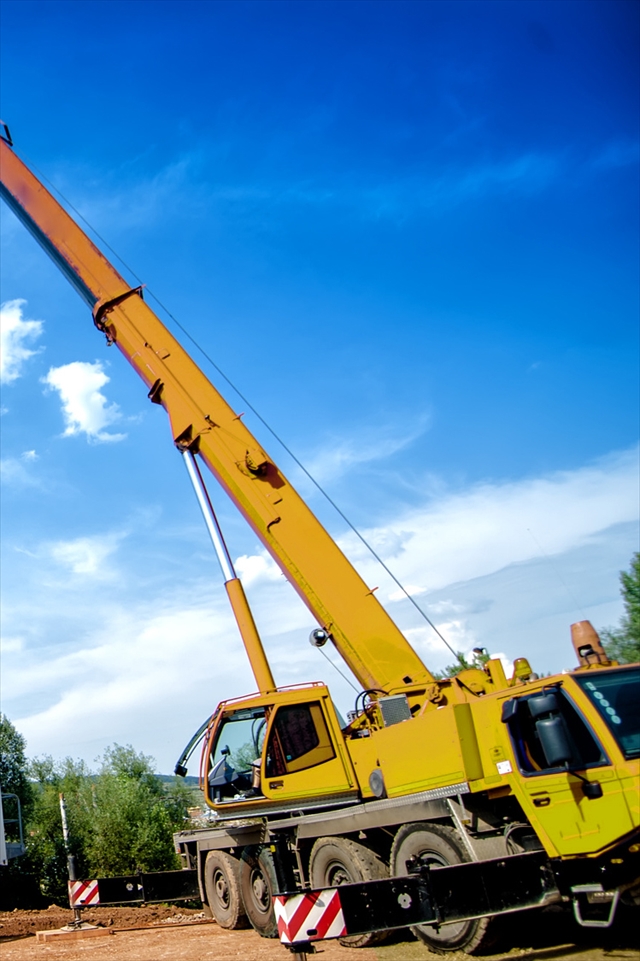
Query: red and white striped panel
[(83, 893), (309, 917)]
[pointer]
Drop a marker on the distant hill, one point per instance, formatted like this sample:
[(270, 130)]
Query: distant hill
[(191, 780)]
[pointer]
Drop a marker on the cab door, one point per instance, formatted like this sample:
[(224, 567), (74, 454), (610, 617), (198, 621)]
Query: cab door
[(304, 755), (556, 752)]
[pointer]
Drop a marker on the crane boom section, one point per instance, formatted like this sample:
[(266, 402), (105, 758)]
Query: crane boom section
[(363, 633)]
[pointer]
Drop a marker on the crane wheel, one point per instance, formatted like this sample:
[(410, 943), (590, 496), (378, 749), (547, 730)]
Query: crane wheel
[(222, 887), (438, 845), (336, 861), (257, 885)]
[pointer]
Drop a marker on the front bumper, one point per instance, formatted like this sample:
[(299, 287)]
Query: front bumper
[(616, 869)]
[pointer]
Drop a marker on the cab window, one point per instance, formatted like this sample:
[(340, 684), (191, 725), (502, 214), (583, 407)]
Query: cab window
[(525, 716), (237, 747), (299, 739), (240, 738)]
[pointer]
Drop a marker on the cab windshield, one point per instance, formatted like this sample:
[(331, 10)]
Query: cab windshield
[(616, 695), (240, 738)]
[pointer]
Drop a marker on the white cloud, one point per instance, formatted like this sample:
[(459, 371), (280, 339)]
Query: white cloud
[(473, 566), (619, 153), (11, 645), (14, 334), (256, 568), (481, 530), (441, 187), (134, 203), (411, 589), (507, 663), (14, 472), (101, 666), (84, 407), (459, 636), (440, 607), (527, 172), (141, 674), (139, 202), (85, 555), (339, 456)]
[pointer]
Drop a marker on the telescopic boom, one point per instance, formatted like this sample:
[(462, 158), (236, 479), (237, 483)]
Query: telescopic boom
[(202, 422)]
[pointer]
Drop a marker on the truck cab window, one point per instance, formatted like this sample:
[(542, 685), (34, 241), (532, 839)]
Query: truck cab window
[(525, 716), (299, 739)]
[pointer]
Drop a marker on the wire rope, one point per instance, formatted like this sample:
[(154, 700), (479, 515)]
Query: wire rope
[(248, 403), (335, 666)]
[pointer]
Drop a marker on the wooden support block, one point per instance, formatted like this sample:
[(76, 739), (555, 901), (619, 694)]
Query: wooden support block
[(71, 934)]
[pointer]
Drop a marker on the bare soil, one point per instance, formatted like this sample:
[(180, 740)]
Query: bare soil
[(166, 933), (17, 924)]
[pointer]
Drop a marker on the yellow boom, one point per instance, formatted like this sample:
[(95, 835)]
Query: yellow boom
[(201, 421)]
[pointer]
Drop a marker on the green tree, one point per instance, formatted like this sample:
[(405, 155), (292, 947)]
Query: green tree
[(134, 816), (479, 659), (13, 764), (45, 843), (622, 643), (14, 780), (121, 819)]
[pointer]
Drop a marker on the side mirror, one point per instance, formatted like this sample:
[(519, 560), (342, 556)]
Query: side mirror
[(591, 789), (550, 728), (554, 741)]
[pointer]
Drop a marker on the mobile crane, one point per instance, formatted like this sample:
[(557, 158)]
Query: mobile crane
[(478, 776)]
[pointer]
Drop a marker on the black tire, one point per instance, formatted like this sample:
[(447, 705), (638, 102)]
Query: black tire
[(440, 845), (336, 861), (257, 885), (222, 887)]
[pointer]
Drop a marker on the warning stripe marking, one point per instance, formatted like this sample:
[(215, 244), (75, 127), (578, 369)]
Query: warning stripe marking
[(83, 893), (319, 912)]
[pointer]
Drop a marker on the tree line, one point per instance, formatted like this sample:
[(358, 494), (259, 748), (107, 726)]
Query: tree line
[(121, 817), (622, 643)]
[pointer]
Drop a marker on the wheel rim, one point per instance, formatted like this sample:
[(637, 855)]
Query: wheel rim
[(260, 890), (338, 874), (221, 889)]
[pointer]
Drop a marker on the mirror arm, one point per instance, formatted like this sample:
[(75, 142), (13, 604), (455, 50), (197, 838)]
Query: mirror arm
[(591, 789)]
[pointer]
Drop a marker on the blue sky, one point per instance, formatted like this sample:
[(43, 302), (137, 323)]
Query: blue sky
[(408, 233)]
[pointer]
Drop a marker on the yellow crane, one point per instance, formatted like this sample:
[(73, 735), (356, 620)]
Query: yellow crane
[(467, 769)]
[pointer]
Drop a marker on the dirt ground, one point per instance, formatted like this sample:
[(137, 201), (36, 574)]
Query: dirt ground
[(164, 933)]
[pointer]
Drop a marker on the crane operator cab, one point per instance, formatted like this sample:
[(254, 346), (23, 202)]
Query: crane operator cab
[(276, 747)]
